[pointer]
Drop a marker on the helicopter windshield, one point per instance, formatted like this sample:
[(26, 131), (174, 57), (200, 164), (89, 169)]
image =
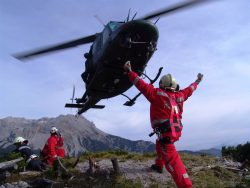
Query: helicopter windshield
[(114, 25), (104, 37)]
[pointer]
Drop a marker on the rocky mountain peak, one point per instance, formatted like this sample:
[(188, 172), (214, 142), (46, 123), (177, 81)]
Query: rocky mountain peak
[(79, 134)]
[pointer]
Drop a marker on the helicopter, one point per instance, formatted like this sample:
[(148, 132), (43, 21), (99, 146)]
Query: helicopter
[(133, 40)]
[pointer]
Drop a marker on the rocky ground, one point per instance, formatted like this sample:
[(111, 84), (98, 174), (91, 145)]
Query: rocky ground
[(205, 172), (133, 170), (225, 172)]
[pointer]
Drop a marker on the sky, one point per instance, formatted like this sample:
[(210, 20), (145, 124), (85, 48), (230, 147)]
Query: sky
[(212, 38)]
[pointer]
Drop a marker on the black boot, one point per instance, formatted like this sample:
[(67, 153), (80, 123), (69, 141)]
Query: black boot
[(157, 168)]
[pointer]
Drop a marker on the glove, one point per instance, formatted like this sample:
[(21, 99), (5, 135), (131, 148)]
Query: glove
[(127, 66), (199, 78)]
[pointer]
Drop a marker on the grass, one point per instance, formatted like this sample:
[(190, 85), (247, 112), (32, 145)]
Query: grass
[(114, 182), (216, 177), (198, 160), (119, 154)]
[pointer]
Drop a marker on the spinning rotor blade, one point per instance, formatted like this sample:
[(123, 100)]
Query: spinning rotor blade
[(65, 45), (173, 9)]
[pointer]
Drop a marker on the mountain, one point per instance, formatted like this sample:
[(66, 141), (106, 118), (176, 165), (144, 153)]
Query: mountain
[(213, 152), (80, 135)]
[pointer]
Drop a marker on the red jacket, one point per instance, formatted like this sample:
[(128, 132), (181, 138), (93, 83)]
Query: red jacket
[(160, 108), (49, 149)]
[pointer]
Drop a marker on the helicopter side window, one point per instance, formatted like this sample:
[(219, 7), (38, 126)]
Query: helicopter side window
[(114, 25)]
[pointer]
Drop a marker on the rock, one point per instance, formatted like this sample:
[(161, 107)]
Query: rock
[(231, 164), (20, 184), (133, 170), (30, 174), (8, 165), (202, 168)]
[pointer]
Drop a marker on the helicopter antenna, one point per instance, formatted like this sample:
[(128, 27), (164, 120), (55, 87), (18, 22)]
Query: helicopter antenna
[(128, 14), (157, 20), (134, 16), (99, 20), (73, 94)]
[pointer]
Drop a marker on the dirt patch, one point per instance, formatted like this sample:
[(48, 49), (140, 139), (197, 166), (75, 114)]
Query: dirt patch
[(134, 170)]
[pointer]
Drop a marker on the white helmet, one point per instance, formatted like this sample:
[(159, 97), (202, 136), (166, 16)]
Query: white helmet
[(168, 82), (53, 130), (19, 139)]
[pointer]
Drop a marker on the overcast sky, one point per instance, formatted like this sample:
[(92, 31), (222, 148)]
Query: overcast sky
[(213, 38)]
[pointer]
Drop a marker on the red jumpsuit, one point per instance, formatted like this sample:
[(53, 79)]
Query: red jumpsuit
[(164, 109), (187, 92), (49, 149)]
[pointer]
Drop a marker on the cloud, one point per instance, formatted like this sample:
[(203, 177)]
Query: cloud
[(129, 122)]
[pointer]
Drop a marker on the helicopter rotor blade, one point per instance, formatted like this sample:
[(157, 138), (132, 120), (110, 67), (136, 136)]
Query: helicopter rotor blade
[(65, 45), (173, 9)]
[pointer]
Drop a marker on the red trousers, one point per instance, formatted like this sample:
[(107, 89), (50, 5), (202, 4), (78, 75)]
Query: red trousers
[(168, 156)]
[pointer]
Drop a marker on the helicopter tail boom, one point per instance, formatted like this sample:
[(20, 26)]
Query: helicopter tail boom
[(90, 103), (70, 105)]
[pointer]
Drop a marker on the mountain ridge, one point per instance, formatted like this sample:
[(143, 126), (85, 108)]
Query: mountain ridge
[(80, 135)]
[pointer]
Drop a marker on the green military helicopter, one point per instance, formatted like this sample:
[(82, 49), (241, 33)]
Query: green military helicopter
[(133, 40)]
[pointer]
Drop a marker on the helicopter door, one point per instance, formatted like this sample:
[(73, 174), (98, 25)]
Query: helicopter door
[(99, 43)]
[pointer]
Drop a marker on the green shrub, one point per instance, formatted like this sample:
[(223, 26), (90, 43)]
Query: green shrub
[(239, 153)]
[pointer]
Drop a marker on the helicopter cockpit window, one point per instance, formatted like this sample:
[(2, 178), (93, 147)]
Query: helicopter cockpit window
[(105, 34), (101, 39), (114, 25), (97, 44)]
